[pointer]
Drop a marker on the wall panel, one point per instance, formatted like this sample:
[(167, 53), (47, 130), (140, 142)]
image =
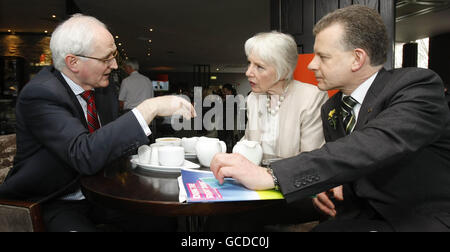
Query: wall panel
[(298, 17)]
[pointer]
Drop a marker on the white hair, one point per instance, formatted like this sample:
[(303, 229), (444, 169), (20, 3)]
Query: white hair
[(133, 63), (74, 36), (276, 49)]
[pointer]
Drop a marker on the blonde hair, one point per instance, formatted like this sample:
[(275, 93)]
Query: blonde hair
[(276, 49)]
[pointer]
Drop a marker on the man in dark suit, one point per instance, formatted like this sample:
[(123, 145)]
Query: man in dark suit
[(67, 126), (387, 132)]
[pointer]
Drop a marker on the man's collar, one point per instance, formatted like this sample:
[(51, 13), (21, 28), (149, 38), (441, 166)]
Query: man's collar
[(360, 93), (76, 89)]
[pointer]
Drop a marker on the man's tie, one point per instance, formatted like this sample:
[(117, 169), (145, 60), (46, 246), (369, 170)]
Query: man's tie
[(92, 118), (348, 115)]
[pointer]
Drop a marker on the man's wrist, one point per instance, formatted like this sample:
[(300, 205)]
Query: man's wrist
[(275, 179), (142, 122), (147, 111)]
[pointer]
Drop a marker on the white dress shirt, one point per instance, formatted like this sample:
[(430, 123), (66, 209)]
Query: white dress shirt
[(360, 94)]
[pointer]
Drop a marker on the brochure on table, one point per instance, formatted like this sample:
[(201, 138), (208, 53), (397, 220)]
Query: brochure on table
[(202, 186)]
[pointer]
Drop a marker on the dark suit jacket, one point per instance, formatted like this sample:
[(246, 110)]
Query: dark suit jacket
[(397, 160), (54, 147)]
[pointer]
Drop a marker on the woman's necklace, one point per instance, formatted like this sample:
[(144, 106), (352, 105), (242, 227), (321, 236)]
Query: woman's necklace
[(274, 111)]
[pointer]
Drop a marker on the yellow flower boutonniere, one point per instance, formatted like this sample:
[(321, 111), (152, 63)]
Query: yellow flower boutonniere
[(332, 118)]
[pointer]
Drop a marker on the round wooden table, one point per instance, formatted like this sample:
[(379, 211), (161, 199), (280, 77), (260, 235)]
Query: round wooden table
[(141, 191)]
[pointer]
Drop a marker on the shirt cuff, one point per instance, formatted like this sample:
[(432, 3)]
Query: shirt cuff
[(142, 122)]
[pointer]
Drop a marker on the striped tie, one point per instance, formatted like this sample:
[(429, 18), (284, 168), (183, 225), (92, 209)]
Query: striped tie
[(92, 118), (348, 115)]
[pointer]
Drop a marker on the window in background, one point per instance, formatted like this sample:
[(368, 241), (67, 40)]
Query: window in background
[(423, 46), (424, 50)]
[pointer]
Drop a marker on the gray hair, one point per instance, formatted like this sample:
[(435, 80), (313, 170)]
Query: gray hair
[(133, 63), (73, 36), (276, 49)]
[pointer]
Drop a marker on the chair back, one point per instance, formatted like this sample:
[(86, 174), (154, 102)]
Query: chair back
[(302, 73), (7, 153), (16, 216)]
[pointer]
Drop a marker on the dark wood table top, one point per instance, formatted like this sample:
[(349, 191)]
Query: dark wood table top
[(142, 191)]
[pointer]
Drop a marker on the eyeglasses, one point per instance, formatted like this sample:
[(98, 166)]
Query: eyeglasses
[(106, 61)]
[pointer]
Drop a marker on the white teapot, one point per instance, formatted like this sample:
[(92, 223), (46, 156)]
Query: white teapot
[(250, 149), (189, 144), (207, 148)]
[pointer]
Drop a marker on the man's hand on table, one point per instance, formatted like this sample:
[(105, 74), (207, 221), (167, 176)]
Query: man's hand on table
[(242, 170)]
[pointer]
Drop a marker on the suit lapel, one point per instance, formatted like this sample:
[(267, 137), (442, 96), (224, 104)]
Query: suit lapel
[(107, 104), (72, 96), (334, 104), (368, 105)]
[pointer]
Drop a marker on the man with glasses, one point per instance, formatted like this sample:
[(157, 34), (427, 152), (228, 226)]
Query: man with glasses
[(67, 127)]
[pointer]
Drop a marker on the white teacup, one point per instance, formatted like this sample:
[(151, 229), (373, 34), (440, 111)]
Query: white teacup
[(144, 154), (189, 144), (171, 155), (207, 148), (172, 141), (250, 149), (154, 159)]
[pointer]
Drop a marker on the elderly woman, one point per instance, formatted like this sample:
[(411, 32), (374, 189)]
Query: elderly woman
[(283, 114)]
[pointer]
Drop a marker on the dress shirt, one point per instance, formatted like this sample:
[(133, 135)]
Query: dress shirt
[(360, 93)]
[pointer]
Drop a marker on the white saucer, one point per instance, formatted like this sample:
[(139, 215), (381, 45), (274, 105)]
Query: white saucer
[(167, 169), (190, 155)]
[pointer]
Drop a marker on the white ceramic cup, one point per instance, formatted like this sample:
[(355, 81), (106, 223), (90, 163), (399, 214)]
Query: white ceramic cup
[(250, 149), (144, 154), (171, 155), (154, 158), (207, 148), (189, 144), (169, 141)]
